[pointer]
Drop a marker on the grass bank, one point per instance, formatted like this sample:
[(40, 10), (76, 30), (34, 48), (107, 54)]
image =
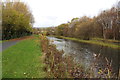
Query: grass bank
[(93, 41), (107, 40), (23, 60)]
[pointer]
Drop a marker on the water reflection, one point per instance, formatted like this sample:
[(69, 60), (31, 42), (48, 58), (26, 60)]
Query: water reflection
[(86, 53)]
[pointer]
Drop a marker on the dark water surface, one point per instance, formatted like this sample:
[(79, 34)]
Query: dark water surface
[(86, 53)]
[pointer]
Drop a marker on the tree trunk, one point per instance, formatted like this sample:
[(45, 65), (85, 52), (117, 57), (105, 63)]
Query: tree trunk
[(104, 34)]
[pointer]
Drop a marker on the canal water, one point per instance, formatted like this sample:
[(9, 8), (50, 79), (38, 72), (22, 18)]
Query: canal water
[(88, 54)]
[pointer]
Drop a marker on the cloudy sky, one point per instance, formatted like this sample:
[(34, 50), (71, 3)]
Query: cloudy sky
[(54, 12)]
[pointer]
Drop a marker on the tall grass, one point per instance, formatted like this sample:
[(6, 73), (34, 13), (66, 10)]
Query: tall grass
[(58, 66)]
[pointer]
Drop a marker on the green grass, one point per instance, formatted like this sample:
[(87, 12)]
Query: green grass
[(93, 42), (108, 40), (0, 41), (23, 60), (3, 41)]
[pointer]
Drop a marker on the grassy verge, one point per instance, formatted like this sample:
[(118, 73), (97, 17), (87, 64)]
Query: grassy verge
[(108, 40), (23, 60), (93, 42)]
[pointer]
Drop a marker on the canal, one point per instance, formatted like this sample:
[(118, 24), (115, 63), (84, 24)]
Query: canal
[(89, 54)]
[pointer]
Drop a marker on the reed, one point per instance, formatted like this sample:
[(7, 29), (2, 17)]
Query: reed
[(58, 66)]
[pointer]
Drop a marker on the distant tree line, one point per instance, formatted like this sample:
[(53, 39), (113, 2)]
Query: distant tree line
[(106, 25), (17, 20)]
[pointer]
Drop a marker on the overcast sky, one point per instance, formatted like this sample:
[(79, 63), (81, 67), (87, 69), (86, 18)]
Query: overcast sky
[(54, 12)]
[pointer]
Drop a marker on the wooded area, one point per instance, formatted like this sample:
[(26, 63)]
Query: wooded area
[(17, 20), (106, 25)]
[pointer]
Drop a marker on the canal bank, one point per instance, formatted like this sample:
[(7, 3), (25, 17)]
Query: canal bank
[(96, 42), (86, 54)]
